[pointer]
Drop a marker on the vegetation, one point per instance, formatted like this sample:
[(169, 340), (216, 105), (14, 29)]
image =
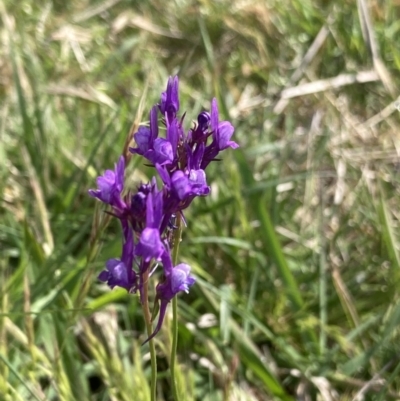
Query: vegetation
[(295, 251)]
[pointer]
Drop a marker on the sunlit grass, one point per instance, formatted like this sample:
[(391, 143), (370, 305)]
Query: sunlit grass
[(296, 249)]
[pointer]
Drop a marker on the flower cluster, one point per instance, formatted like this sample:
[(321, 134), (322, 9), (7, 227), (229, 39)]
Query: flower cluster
[(147, 215)]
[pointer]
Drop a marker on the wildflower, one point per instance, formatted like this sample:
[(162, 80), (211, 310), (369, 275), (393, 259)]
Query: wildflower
[(150, 244), (221, 133), (177, 279), (156, 150), (111, 185), (147, 216), (192, 183), (169, 102), (119, 272)]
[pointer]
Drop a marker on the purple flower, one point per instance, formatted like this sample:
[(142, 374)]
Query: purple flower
[(145, 136), (154, 149), (169, 102), (148, 215), (143, 141), (150, 244), (224, 133), (162, 153), (195, 157), (177, 279), (221, 132), (193, 183), (173, 133), (119, 272), (164, 175), (110, 186), (180, 280)]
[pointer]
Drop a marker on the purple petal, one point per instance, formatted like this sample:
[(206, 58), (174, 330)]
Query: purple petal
[(163, 101), (110, 185), (119, 272), (166, 179), (105, 184), (195, 158), (173, 136), (174, 93), (162, 152), (153, 124), (143, 141), (225, 132), (214, 115), (194, 184), (169, 102), (116, 274), (120, 173), (167, 262), (103, 276), (181, 184), (154, 208), (197, 179), (181, 279), (128, 248), (150, 245), (177, 279)]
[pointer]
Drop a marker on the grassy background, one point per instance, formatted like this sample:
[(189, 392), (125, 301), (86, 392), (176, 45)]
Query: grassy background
[(296, 249)]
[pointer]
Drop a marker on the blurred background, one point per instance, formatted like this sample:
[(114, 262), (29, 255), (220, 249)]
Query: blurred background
[(296, 249)]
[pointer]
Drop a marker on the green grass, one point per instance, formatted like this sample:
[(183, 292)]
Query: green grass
[(296, 251)]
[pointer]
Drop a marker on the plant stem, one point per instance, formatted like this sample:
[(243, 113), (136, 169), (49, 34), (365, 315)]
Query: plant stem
[(149, 327), (175, 249)]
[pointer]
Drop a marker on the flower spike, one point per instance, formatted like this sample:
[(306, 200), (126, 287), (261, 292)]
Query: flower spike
[(147, 214)]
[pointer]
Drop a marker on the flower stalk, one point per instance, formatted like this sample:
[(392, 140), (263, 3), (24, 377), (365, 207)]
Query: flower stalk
[(149, 328), (175, 251)]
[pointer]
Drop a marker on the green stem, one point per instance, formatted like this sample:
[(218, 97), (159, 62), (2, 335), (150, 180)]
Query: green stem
[(175, 249), (149, 327)]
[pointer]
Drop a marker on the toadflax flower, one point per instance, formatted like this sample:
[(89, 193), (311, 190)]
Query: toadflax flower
[(147, 214), (169, 103), (119, 272), (150, 245), (111, 185), (190, 183), (176, 279), (221, 134)]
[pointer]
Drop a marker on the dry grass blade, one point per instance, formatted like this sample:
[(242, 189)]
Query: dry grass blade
[(307, 59), (370, 41), (348, 304), (48, 244), (95, 10), (382, 115), (87, 93), (376, 380), (325, 388), (331, 83), (128, 18)]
